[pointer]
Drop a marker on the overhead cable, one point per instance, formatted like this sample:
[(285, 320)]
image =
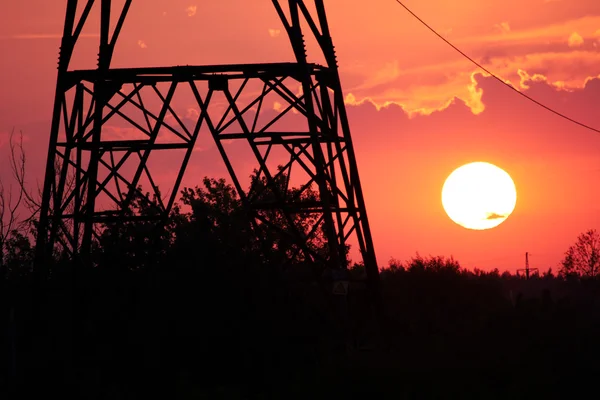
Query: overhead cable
[(494, 75)]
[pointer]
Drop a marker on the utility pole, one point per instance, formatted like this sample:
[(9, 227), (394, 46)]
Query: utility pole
[(527, 270)]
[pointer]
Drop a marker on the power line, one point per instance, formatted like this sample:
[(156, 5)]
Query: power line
[(494, 75)]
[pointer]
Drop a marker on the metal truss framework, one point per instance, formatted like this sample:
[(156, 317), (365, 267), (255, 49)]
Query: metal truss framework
[(109, 125)]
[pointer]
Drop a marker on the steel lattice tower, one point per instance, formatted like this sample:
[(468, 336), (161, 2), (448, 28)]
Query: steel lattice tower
[(92, 177)]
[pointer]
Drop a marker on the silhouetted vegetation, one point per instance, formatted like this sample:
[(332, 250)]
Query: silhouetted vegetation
[(213, 306), (583, 258)]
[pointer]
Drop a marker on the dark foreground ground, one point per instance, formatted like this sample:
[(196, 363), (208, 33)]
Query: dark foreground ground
[(215, 334)]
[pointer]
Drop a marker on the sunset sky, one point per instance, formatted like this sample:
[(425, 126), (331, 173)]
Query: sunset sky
[(418, 110)]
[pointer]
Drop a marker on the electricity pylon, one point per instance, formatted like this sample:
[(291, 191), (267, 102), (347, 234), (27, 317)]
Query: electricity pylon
[(111, 126)]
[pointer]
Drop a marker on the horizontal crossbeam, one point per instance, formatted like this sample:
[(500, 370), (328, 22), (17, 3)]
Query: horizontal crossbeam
[(125, 145), (195, 73)]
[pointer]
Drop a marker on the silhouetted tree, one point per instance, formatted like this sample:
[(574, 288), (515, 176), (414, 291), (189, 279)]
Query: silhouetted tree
[(583, 258), (14, 228), (301, 222), (136, 244), (437, 264), (18, 256), (218, 218), (548, 275), (216, 228)]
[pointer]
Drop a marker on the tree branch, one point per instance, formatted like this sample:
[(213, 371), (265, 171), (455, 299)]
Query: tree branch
[(18, 164)]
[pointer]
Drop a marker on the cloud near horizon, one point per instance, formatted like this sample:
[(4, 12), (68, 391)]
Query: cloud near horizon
[(425, 90)]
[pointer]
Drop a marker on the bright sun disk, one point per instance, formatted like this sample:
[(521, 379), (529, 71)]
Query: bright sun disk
[(479, 196)]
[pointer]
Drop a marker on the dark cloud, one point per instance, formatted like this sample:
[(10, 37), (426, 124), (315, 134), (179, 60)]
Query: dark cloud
[(492, 216)]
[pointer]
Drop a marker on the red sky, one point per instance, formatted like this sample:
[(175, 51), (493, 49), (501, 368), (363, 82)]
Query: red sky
[(418, 109)]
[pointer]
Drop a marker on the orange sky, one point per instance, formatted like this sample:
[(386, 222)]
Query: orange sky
[(418, 110)]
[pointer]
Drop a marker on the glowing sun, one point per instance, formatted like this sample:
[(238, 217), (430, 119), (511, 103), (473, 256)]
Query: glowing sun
[(479, 196)]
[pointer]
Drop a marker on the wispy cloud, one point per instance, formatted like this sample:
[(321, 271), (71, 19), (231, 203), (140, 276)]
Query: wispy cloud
[(575, 40), (492, 216), (584, 26), (274, 32), (503, 27), (142, 44), (191, 11), (541, 52), (114, 132), (424, 98)]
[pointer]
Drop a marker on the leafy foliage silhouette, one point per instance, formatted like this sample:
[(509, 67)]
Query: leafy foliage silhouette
[(583, 258), (211, 304)]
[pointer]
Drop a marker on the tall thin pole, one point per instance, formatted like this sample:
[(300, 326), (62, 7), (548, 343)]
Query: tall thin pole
[(527, 270), (43, 248)]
